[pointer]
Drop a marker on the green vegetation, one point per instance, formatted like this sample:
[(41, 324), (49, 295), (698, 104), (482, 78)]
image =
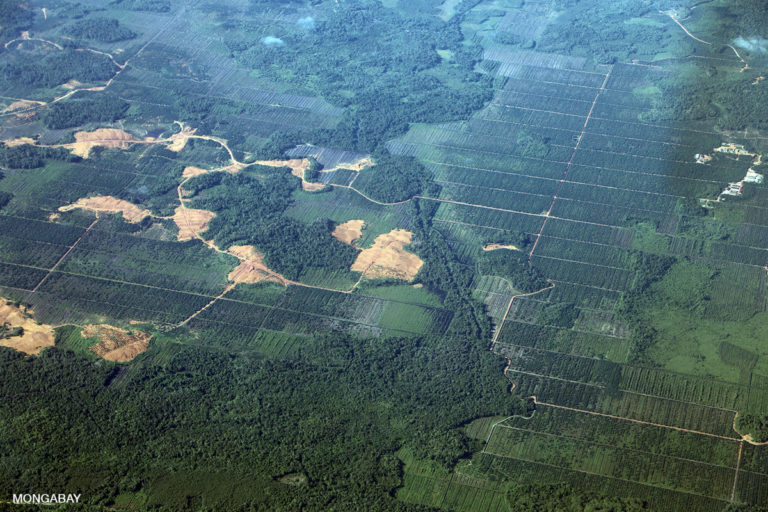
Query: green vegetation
[(755, 426), (705, 100), (58, 68), (406, 84), (514, 266), (27, 156), (559, 315), (6, 331), (14, 16), (490, 123), (531, 145), (91, 109), (143, 5), (561, 497), (291, 248), (445, 274), (286, 427), (5, 198), (394, 179), (104, 30), (313, 172), (604, 35), (400, 292)]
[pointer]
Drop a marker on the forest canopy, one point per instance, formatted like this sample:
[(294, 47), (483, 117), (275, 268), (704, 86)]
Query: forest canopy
[(104, 30)]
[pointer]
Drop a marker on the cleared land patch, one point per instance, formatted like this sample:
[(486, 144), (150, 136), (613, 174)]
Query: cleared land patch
[(191, 172), (109, 204), (178, 141), (298, 167), (71, 84), (19, 142), (349, 231), (494, 247), (252, 268), (353, 166), (31, 337), (116, 344), (191, 222), (388, 258), (16, 106), (110, 138)]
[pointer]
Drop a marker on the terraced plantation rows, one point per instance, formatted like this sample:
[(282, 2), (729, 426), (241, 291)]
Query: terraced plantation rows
[(603, 186)]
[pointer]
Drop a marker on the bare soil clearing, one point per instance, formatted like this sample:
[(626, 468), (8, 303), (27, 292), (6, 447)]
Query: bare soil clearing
[(298, 167), (72, 84), (388, 258), (34, 338), (109, 204), (116, 344), (252, 268), (353, 166), (106, 137), (191, 222), (191, 172), (493, 247), (20, 105), (19, 142), (349, 231), (178, 141)]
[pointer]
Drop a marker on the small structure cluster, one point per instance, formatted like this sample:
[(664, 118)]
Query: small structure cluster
[(733, 189), (753, 177), (732, 149), (737, 188)]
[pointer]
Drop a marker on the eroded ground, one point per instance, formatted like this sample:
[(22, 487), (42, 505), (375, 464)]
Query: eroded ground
[(251, 268), (115, 344), (33, 337), (191, 222), (494, 247), (109, 204), (110, 138), (348, 232), (388, 257)]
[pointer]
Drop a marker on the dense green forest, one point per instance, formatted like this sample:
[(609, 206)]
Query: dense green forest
[(143, 5), (514, 266), (89, 109), (446, 274), (756, 426), (13, 16), (564, 498), (651, 268), (409, 83), (58, 68), (104, 30), (27, 156), (395, 178), (290, 247), (212, 417)]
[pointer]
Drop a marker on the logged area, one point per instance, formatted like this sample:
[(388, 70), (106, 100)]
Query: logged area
[(115, 344), (478, 255), (388, 258), (21, 332)]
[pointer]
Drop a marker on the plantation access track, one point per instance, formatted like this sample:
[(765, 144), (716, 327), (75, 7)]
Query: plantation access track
[(120, 67)]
